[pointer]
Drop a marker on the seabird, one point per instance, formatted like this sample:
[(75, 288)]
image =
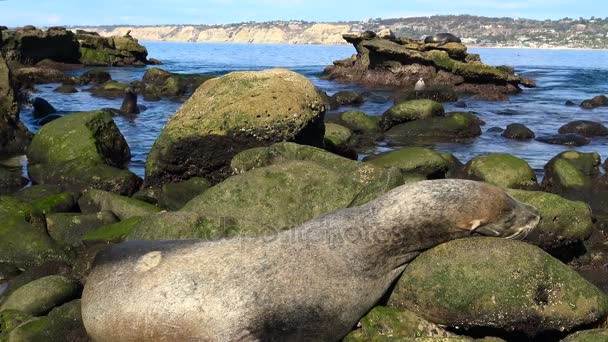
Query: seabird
[(420, 85)]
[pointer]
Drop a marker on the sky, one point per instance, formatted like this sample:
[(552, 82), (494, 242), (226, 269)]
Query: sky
[(157, 12)]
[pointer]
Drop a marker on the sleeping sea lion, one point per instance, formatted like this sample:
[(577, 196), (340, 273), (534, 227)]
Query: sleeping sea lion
[(311, 283), (442, 39)]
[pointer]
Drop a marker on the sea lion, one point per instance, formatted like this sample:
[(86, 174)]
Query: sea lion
[(310, 283), (129, 104), (442, 39)]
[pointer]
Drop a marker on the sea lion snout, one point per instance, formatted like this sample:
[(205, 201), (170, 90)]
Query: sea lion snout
[(514, 223)]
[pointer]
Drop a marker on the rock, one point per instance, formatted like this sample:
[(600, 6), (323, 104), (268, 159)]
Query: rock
[(570, 173), (110, 89), (386, 34), (82, 151), (585, 128), (174, 196), (66, 89), (129, 104), (439, 94), (598, 101), (11, 180), (113, 233), (57, 203), (42, 108), (518, 132), (348, 98), (110, 51), (29, 47), (68, 229), (229, 114), (452, 127), (359, 122), (156, 76), (11, 319), (94, 77), (570, 139), (154, 61), (28, 77), (338, 140), (297, 182), (570, 103), (503, 170), (411, 111), (495, 130), (400, 62), (392, 324), (63, 323), (41, 295), (594, 335), (51, 64), (563, 222), (14, 136), (93, 201), (416, 160), (38, 192), (490, 283)]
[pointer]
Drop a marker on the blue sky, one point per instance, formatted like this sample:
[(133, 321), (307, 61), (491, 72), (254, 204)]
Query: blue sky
[(152, 12)]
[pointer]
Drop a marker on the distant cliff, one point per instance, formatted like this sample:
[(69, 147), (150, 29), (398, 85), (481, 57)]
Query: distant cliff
[(475, 30)]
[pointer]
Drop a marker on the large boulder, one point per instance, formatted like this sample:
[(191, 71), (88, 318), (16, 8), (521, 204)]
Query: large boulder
[(229, 114), (359, 122), (114, 51), (490, 283), (411, 111), (41, 295), (32, 46), (82, 151), (571, 173), (452, 127), (14, 137), (277, 188), (417, 160), (503, 170), (584, 127)]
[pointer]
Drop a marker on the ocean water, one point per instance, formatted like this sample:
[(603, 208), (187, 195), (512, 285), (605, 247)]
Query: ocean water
[(561, 75)]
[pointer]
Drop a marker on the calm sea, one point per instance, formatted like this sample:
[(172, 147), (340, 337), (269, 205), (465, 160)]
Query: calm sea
[(561, 75)]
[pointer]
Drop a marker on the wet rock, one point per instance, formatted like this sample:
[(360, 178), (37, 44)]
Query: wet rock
[(338, 140), (598, 101), (68, 229), (439, 94), (418, 160), (27, 77), (411, 111), (156, 76), (452, 127), (585, 128), (110, 51), (495, 130), (460, 104), (123, 207), (346, 98), (42, 108), (563, 222), (359, 122), (41, 295), (57, 203), (503, 170), (173, 196), (570, 173), (51, 64), (298, 182), (11, 180), (14, 136), (48, 118), (110, 89), (11, 319), (529, 290), (154, 61), (518, 132), (66, 89), (569, 139), (570, 103), (31, 46), (82, 151), (241, 110), (94, 77), (386, 323)]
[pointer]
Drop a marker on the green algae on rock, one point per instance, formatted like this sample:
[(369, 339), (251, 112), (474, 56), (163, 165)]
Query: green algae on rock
[(593, 335), (113, 233), (93, 201), (82, 151), (41, 295), (232, 113), (452, 127), (411, 111), (174, 196), (504, 170), (499, 284), (68, 229)]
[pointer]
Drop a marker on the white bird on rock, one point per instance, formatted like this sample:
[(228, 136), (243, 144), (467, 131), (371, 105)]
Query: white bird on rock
[(420, 85)]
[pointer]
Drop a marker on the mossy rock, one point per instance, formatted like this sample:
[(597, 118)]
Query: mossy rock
[(110, 89), (59, 203), (68, 229), (393, 324), (156, 76), (174, 196), (93, 57), (82, 151), (113, 233), (562, 221), (11, 319), (504, 170), (411, 111), (23, 244), (594, 335), (338, 140), (38, 192), (232, 113), (518, 132), (571, 172), (293, 185), (497, 283), (349, 98), (452, 127), (123, 207), (418, 160), (62, 324), (95, 77), (11, 180), (41, 295), (360, 122)]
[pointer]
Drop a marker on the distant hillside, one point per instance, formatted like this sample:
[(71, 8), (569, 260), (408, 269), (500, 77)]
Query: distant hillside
[(479, 31)]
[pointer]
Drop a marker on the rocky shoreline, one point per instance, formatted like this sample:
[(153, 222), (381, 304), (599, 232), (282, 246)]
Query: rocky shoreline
[(253, 153)]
